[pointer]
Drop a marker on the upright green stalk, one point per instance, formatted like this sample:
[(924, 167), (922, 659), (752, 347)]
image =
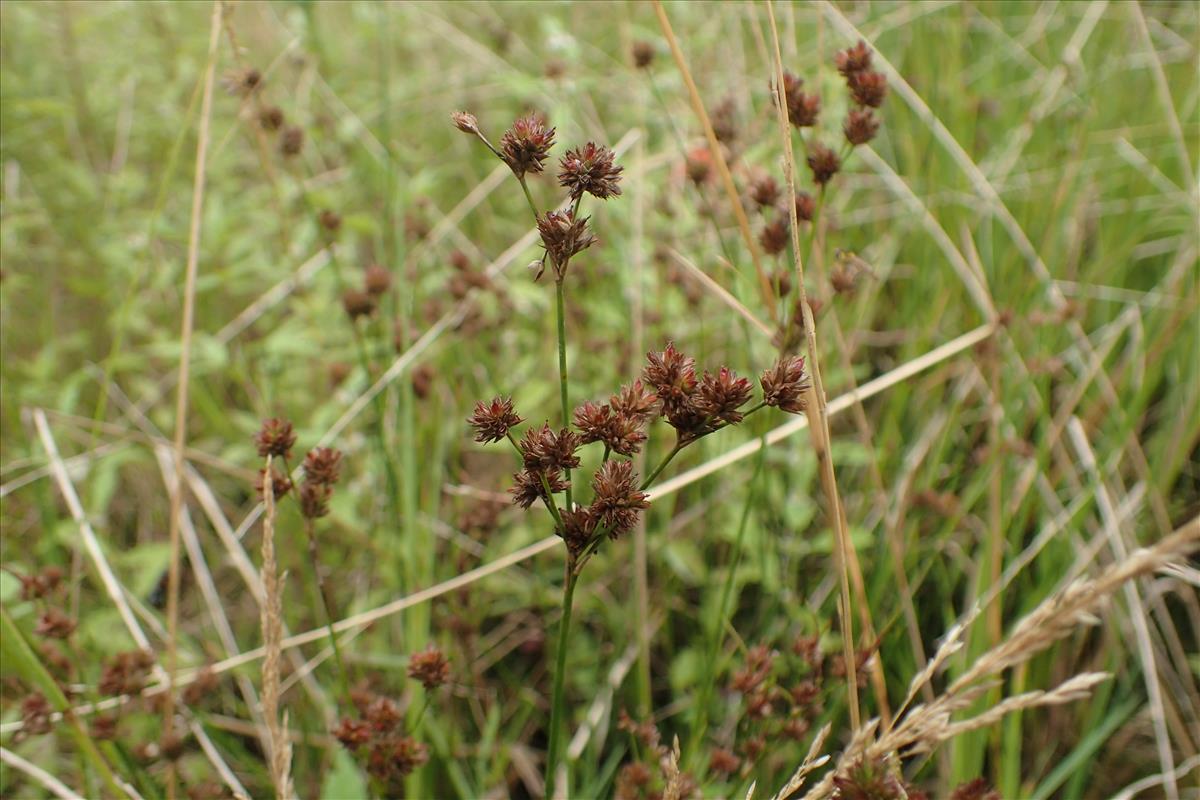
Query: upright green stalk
[(560, 667), (562, 370)]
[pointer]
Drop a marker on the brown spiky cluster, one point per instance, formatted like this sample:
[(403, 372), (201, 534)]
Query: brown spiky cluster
[(526, 145), (126, 673), (275, 438), (643, 54), (492, 421), (649, 776), (430, 667), (785, 384), (868, 89), (55, 624), (803, 109), (590, 169), (378, 739), (870, 779), (694, 408), (322, 468), (40, 584), (563, 236)]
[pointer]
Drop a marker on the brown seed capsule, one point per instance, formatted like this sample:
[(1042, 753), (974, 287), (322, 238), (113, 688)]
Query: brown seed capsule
[(764, 191), (526, 145), (853, 59), (784, 385), (720, 396), (314, 499), (590, 169), (806, 206), (563, 236), (430, 667), (617, 499), (465, 122), (331, 221), (271, 118), (377, 280), (527, 486), (54, 624), (291, 140), (323, 465), (358, 303), (275, 438), (823, 162), (774, 236), (724, 761), (860, 126), (868, 88), (643, 54), (493, 421)]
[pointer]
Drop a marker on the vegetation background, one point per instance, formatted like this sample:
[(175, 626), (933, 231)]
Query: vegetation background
[(1035, 181)]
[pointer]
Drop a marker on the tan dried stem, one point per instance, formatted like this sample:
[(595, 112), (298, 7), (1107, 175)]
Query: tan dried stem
[(181, 397), (819, 430), (280, 756)]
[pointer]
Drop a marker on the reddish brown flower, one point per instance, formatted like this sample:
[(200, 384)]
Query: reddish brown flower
[(526, 144), (37, 586), (527, 486), (823, 162), (330, 220), (323, 465), (806, 206), (853, 59), (126, 673), (632, 781), (579, 527), (868, 779), (543, 449), (643, 54), (271, 118), (868, 88), (671, 373), (563, 236), (280, 484), (757, 668), (408, 754), (634, 401), (314, 499), (721, 395), (104, 727), (352, 733), (493, 421), (698, 165), (796, 728), (803, 109), (978, 789), (35, 715), (724, 761), (242, 82), (383, 714), (621, 433), (617, 497), (775, 236), (291, 140), (430, 667), (377, 280), (784, 385), (764, 191), (54, 624), (590, 169), (202, 687), (465, 122), (860, 126), (358, 303), (275, 438)]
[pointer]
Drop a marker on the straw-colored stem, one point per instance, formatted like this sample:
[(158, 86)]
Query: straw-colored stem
[(271, 617)]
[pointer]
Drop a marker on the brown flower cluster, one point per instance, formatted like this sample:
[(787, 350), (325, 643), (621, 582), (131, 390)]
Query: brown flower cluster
[(377, 737), (492, 421), (563, 236), (590, 169), (803, 109), (40, 584), (126, 673), (430, 667), (640, 779), (867, 89), (322, 468), (620, 423), (526, 145), (275, 438), (694, 407)]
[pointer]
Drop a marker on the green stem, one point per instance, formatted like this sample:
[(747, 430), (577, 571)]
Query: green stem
[(528, 197), (562, 369), (556, 709), (662, 465)]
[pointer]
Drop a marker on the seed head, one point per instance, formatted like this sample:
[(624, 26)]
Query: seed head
[(465, 122), (291, 140), (35, 715), (126, 673), (527, 486), (671, 373), (774, 236), (330, 220), (784, 385), (860, 126), (617, 497), (634, 401), (352, 733), (764, 191), (543, 449), (54, 624), (492, 421), (280, 484), (271, 118), (275, 438), (243, 82), (526, 145), (590, 169), (724, 761), (806, 206), (323, 465), (563, 236), (721, 395), (579, 527), (853, 59), (377, 280), (643, 54), (868, 88), (698, 165), (823, 162), (803, 109), (314, 499), (104, 727), (430, 667), (41, 584), (358, 303), (868, 779)]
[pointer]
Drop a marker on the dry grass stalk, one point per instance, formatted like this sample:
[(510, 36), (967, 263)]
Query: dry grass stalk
[(280, 757), (927, 725), (181, 398), (819, 430)]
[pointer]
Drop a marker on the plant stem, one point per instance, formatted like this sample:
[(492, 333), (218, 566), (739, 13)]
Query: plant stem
[(562, 368), (570, 578), (327, 605), (662, 465)]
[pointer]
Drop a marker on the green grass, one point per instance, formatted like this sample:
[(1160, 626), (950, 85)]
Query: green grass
[(1057, 105)]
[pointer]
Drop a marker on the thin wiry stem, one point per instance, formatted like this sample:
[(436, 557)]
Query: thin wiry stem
[(570, 578), (560, 312), (181, 402)]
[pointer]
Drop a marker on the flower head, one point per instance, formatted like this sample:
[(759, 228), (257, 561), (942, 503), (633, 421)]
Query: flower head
[(526, 144), (764, 191), (358, 303), (773, 238), (291, 140), (323, 465), (430, 667), (671, 373), (563, 236), (634, 401), (543, 449), (860, 126), (314, 499), (823, 162), (528, 488), (271, 118), (465, 122), (868, 88), (492, 421), (643, 54), (275, 438), (803, 109), (784, 385), (721, 395), (54, 624), (590, 169), (377, 280), (853, 59), (617, 497)]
